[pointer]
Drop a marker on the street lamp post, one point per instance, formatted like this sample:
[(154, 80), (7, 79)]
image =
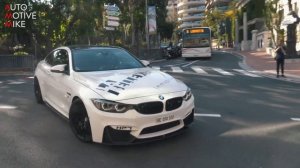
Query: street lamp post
[(147, 24), (34, 62)]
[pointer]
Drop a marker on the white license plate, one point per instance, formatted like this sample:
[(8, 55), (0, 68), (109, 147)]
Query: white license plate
[(165, 118)]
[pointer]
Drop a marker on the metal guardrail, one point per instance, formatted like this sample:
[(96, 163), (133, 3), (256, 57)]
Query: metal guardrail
[(13, 62)]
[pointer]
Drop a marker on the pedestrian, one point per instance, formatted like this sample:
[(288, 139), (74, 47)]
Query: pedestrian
[(280, 56)]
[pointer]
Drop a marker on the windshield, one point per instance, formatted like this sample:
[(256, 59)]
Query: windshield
[(196, 42), (196, 37), (103, 59)]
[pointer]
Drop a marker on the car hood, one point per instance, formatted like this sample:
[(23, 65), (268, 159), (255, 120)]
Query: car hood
[(130, 83)]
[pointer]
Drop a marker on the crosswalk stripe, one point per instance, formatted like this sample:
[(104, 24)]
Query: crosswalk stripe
[(222, 71), (176, 69), (198, 70), (246, 73)]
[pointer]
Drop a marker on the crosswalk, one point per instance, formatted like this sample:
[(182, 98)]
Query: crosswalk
[(198, 69), (206, 71), (221, 71), (176, 69)]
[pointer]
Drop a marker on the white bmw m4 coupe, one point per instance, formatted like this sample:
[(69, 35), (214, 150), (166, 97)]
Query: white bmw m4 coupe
[(109, 96)]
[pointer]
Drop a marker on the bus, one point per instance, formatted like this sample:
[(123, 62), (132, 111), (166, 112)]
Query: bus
[(196, 42)]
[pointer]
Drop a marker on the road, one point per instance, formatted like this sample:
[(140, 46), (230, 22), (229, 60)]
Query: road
[(243, 120)]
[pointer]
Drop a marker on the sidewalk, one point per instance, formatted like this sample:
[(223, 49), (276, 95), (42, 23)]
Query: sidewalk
[(264, 63)]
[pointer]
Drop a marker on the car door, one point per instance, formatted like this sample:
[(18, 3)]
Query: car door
[(46, 75), (59, 85)]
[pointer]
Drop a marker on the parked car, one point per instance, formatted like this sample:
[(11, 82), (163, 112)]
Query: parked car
[(109, 96)]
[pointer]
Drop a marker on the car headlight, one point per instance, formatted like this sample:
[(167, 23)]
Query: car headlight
[(110, 106), (187, 95)]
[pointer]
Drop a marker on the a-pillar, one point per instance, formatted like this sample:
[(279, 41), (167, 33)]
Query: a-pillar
[(254, 40)]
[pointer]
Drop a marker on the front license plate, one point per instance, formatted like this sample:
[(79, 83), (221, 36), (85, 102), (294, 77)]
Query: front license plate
[(164, 119)]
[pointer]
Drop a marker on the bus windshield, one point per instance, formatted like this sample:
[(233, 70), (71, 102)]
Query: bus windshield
[(196, 38)]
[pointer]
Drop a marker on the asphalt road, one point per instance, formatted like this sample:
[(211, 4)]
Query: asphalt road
[(243, 121)]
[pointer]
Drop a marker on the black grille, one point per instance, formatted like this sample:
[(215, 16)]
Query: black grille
[(189, 119), (173, 103), (112, 136), (150, 107), (161, 127)]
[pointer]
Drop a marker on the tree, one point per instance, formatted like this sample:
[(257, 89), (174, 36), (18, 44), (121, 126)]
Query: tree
[(273, 20), (166, 30), (213, 19), (79, 22)]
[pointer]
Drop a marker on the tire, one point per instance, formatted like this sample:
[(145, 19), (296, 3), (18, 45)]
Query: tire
[(37, 91), (79, 122)]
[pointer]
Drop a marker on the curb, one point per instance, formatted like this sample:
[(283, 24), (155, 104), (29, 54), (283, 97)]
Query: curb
[(245, 66), (16, 73), (293, 60)]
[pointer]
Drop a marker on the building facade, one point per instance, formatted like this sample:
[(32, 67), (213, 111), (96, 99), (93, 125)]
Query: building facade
[(221, 5), (190, 13), (251, 32), (284, 9)]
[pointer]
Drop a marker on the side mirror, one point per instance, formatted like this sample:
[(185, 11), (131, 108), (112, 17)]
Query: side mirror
[(145, 62), (58, 68)]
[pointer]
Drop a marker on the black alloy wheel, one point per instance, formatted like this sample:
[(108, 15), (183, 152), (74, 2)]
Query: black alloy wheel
[(37, 91), (79, 121)]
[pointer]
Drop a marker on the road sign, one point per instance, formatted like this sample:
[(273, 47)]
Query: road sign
[(113, 13), (113, 23), (112, 7), (109, 28), (113, 18)]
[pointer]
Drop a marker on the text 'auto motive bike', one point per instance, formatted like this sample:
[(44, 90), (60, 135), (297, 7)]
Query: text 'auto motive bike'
[(109, 96)]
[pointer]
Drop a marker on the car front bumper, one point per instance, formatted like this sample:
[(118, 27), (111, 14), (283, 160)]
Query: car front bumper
[(123, 137), (133, 127)]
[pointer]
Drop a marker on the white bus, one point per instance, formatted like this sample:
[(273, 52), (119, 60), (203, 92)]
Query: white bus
[(196, 42)]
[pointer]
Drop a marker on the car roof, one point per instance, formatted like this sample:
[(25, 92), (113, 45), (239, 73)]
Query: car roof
[(76, 47)]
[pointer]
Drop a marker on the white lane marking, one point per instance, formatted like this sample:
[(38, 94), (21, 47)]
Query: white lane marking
[(7, 107), (15, 83), (31, 77), (222, 71), (176, 69), (207, 115), (246, 73), (198, 70), (157, 60), (295, 119), (1, 82), (190, 63), (156, 67), (183, 63)]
